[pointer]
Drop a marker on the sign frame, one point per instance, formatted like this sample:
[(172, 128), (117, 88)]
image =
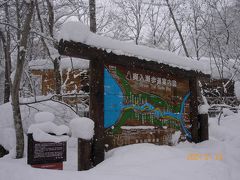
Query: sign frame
[(99, 57), (45, 152)]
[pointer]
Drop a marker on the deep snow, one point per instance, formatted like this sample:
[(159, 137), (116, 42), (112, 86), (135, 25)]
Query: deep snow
[(62, 114), (218, 158)]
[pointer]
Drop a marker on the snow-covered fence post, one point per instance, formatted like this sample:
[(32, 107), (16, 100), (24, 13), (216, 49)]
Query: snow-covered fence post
[(84, 154), (83, 129), (203, 121)]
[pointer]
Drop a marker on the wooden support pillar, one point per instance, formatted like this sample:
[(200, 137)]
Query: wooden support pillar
[(96, 108), (84, 154), (203, 130), (193, 85)]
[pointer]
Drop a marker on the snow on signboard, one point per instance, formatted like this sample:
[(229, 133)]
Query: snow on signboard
[(78, 32), (42, 132), (82, 128)]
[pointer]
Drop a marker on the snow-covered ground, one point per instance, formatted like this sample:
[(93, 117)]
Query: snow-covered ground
[(216, 159)]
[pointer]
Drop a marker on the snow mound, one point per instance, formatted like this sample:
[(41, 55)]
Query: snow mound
[(63, 114), (7, 138), (82, 128), (41, 117), (175, 137), (41, 132), (227, 112), (6, 116), (78, 30)]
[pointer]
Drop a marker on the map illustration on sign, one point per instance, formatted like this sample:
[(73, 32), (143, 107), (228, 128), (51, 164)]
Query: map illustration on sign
[(137, 98)]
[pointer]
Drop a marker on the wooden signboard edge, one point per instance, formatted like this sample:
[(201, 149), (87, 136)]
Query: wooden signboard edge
[(96, 108), (193, 86), (31, 148)]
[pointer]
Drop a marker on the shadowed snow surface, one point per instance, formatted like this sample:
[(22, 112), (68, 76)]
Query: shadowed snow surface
[(148, 161)]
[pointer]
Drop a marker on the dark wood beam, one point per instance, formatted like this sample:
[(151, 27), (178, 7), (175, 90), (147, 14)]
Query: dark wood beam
[(193, 86), (80, 50)]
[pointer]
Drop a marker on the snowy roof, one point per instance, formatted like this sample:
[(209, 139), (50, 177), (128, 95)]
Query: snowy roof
[(78, 32), (66, 62)]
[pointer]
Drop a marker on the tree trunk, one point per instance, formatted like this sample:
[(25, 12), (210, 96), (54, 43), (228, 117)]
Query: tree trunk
[(17, 79), (178, 29), (57, 75), (7, 55), (92, 14), (56, 61)]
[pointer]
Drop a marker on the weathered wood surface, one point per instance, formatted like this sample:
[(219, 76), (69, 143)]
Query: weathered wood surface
[(193, 85), (203, 130), (84, 154), (96, 108)]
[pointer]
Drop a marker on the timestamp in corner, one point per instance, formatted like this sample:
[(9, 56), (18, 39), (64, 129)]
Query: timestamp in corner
[(204, 156)]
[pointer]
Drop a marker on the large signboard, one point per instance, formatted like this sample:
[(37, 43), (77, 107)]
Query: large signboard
[(143, 106)]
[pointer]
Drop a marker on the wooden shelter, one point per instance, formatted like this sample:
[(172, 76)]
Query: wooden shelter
[(135, 99)]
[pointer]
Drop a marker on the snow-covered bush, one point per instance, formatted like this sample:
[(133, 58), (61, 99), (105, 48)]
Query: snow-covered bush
[(62, 115)]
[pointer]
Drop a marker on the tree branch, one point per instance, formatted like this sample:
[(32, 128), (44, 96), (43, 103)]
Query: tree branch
[(34, 32)]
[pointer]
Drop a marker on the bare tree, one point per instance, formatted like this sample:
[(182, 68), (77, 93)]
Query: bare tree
[(6, 40), (17, 79), (130, 17), (169, 5), (50, 44), (157, 24), (223, 39), (196, 22), (92, 15)]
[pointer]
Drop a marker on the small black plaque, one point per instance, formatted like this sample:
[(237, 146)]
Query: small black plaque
[(45, 152)]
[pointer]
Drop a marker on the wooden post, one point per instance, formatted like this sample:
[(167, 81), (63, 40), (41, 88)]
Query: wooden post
[(203, 131), (84, 154), (193, 85), (96, 108)]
